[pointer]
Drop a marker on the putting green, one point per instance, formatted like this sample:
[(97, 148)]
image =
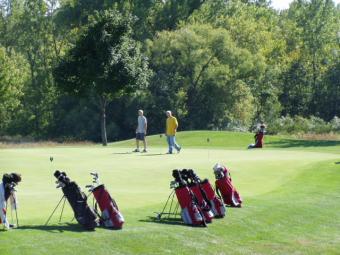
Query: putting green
[(291, 201)]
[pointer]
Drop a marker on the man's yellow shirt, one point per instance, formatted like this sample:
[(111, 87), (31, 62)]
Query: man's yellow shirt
[(171, 125)]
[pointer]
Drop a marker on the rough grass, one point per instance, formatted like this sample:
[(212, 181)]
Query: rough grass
[(291, 198)]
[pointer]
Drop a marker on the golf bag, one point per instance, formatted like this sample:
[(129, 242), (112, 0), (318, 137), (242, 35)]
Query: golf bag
[(216, 205), (207, 213), (7, 191), (225, 188), (111, 216), (194, 184), (78, 201), (191, 213)]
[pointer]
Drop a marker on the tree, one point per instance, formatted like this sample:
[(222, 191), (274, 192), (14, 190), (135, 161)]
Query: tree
[(253, 27), (202, 74), (173, 12), (34, 41), (317, 25), (10, 12), (105, 63), (13, 75)]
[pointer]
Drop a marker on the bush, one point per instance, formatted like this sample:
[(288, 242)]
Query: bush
[(16, 139), (335, 124), (301, 125)]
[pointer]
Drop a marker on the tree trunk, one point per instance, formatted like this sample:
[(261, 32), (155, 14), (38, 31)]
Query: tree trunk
[(103, 121)]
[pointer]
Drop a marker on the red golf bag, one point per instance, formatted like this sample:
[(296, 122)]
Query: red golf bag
[(111, 216), (216, 205), (207, 213), (225, 188), (190, 213)]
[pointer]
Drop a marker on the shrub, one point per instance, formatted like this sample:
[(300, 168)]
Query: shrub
[(301, 125)]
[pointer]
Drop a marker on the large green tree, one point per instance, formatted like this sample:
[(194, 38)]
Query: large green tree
[(104, 63), (13, 75), (34, 41), (201, 74), (313, 46), (253, 27)]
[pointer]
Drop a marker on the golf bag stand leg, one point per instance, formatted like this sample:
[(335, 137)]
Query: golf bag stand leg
[(16, 210), (49, 218), (171, 200)]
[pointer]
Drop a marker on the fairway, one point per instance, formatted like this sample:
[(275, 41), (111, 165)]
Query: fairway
[(291, 199)]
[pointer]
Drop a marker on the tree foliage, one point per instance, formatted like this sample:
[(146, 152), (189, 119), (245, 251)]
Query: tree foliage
[(12, 79), (201, 73), (104, 63), (215, 63)]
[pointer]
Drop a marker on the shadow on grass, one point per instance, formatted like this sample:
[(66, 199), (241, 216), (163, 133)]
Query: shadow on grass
[(288, 143), (152, 154), (67, 227), (168, 221), (122, 153), (337, 163)]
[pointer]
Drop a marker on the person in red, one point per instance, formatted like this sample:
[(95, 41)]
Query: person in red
[(258, 138)]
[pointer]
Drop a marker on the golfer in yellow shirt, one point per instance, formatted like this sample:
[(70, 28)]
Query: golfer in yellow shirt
[(171, 128)]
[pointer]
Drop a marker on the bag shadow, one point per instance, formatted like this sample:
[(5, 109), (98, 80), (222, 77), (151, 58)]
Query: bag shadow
[(64, 227), (167, 220)]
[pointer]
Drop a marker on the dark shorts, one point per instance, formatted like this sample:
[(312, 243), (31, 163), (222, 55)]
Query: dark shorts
[(140, 136)]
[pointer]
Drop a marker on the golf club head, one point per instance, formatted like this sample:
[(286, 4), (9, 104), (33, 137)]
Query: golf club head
[(89, 187), (60, 185), (95, 177), (217, 167)]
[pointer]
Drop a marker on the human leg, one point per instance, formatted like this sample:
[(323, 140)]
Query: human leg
[(138, 138), (169, 140), (144, 143), (178, 147)]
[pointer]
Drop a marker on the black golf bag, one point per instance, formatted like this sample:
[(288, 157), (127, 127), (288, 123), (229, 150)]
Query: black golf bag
[(78, 201)]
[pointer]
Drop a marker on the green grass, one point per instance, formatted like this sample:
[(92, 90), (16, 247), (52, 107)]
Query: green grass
[(290, 189), (235, 140)]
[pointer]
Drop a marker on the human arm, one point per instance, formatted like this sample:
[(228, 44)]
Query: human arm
[(175, 124), (137, 126)]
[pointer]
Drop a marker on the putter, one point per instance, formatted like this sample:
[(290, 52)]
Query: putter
[(51, 160), (208, 141), (160, 136)]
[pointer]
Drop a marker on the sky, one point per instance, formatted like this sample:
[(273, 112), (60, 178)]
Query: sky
[(284, 4)]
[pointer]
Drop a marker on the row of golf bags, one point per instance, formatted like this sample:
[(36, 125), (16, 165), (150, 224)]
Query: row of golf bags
[(86, 216), (197, 199)]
